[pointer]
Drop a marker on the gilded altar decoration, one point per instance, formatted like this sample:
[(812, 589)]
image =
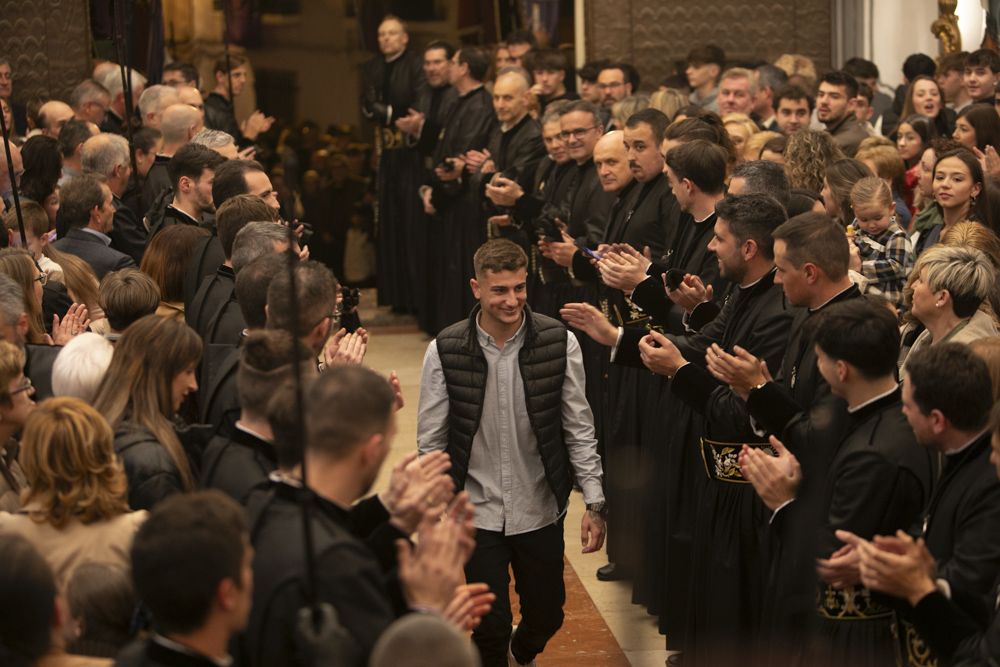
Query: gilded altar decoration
[(945, 28)]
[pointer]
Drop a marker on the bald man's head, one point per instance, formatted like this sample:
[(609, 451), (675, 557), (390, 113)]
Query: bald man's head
[(180, 122), (191, 95), (511, 98), (52, 116), (612, 162)]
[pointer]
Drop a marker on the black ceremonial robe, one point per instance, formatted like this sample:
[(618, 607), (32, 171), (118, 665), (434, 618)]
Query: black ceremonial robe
[(640, 217), (670, 472), (458, 228), (213, 312), (962, 532), (727, 520), (390, 89), (877, 483)]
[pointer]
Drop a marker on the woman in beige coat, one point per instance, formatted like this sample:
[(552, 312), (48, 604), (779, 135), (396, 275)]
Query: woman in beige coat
[(76, 509)]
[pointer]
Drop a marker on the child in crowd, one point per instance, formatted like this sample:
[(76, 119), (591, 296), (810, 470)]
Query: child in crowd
[(36, 229), (880, 249)]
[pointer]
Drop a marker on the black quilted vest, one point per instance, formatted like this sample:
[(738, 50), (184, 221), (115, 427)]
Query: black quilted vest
[(542, 360)]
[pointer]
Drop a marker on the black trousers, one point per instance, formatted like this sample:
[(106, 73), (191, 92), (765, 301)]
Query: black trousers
[(536, 559)]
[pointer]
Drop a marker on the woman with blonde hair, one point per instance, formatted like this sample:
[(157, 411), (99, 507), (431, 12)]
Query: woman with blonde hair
[(75, 509), (807, 156), (946, 296), (15, 407), (669, 101), (968, 234), (753, 149), (140, 396), (622, 110), (740, 128), (800, 69), (19, 265)]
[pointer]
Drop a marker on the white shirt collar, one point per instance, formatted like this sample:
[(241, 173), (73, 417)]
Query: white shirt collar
[(872, 400)]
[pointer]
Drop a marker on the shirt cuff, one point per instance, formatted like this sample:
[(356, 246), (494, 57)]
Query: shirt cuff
[(614, 348), (944, 587), (592, 491), (779, 508)]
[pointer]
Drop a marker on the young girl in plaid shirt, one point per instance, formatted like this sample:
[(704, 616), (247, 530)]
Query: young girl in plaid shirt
[(880, 249)]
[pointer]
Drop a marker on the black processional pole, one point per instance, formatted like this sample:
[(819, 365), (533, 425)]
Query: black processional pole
[(13, 180), (122, 52)]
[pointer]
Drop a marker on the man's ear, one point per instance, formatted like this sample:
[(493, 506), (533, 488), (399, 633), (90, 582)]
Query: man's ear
[(811, 272), (750, 249), (22, 325), (842, 370), (474, 284)]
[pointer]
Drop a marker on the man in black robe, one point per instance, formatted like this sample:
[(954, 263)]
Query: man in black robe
[(450, 197), (877, 482), (513, 150), (231, 78), (422, 125), (534, 209), (727, 560), (393, 82)]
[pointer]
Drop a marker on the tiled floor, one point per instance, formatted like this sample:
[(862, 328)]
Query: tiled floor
[(632, 629)]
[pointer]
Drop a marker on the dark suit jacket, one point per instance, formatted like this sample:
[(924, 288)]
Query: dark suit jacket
[(92, 250), (38, 360), (129, 234)]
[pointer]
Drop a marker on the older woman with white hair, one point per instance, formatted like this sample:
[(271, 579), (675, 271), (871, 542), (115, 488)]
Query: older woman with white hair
[(80, 366), (949, 285)]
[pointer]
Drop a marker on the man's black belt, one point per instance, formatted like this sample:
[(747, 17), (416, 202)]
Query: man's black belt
[(853, 603)]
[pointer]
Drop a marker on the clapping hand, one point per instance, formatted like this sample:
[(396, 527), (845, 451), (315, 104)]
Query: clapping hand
[(255, 124), (418, 486), (590, 321), (560, 252), (345, 348), (690, 293), (774, 478), (740, 370), (74, 323), (503, 191), (897, 565), (622, 267), (659, 354)]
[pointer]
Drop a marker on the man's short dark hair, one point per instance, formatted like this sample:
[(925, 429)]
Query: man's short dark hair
[(707, 54), (345, 406), (317, 297), (701, 162), (252, 283), (478, 60), (584, 106), (145, 139), (78, 198), (440, 44), (547, 60), (952, 62), (498, 255), (230, 180), (793, 92), (266, 358), (589, 70), (190, 543), (235, 61), (191, 160), (860, 68), (815, 238), (764, 177), (865, 91), (841, 78), (953, 379), (983, 58), (187, 70), (920, 63), (283, 418), (629, 73), (127, 295), (753, 217), (234, 214), (522, 37), (654, 118), (862, 333), (771, 76), (72, 134)]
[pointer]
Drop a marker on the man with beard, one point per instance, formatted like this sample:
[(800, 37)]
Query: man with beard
[(450, 196), (393, 82), (640, 217), (192, 172), (835, 109)]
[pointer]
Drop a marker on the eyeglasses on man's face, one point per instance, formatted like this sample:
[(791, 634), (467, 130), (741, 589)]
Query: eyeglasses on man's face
[(578, 133)]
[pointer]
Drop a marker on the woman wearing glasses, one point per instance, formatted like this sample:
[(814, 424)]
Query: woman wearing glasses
[(140, 396), (15, 406), (19, 265)]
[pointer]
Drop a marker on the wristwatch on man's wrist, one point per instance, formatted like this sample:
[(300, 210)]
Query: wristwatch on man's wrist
[(598, 508)]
